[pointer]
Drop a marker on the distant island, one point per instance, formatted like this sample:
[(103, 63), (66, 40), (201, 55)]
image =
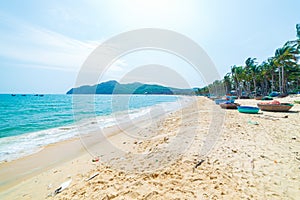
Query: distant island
[(113, 87)]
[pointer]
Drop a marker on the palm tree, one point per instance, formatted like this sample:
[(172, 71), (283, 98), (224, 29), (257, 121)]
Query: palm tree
[(264, 77), (284, 57), (237, 74), (234, 77), (271, 67), (252, 70), (217, 88), (298, 38), (296, 41), (227, 82)]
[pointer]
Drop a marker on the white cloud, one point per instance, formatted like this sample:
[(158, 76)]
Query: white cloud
[(118, 66), (31, 45)]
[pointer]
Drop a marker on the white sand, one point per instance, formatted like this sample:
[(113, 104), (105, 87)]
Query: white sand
[(254, 157)]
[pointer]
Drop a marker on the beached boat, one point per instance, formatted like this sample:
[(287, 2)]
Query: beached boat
[(282, 107), (228, 105), (248, 109), (282, 95), (274, 94), (258, 98), (213, 98), (267, 98), (219, 101), (244, 97)]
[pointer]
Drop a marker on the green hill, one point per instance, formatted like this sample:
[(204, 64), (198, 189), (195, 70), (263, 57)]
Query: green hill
[(113, 87)]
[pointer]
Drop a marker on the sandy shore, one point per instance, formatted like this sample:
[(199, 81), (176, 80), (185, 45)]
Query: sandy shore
[(247, 157)]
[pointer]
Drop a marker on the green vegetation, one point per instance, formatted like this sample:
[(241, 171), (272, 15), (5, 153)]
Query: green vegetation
[(278, 73), (113, 87)]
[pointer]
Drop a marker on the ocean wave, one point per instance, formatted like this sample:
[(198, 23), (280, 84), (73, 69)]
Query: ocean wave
[(18, 146)]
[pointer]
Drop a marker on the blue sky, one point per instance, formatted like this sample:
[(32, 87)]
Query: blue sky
[(44, 43)]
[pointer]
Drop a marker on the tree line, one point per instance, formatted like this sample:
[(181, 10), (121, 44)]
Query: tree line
[(280, 72)]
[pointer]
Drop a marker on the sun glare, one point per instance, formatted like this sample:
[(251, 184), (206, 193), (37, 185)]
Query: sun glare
[(155, 13)]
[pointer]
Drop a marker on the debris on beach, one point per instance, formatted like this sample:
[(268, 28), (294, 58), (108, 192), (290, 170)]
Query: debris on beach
[(285, 116), (272, 117), (49, 186), (253, 122), (234, 150), (62, 187), (199, 163), (95, 159), (93, 176)]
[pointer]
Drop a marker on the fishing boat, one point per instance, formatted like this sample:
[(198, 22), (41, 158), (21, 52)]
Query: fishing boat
[(219, 101), (213, 98), (244, 97), (281, 107), (228, 105), (248, 109), (282, 95), (267, 98)]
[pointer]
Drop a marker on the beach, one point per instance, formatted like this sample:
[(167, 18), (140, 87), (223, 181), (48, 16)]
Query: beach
[(198, 152)]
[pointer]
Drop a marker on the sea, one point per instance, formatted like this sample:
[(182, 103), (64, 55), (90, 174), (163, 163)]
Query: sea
[(30, 122)]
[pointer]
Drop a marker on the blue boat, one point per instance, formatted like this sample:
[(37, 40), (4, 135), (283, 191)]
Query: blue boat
[(219, 101), (267, 98), (248, 109)]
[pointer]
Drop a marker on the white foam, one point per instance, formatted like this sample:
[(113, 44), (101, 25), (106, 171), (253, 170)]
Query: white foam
[(15, 147)]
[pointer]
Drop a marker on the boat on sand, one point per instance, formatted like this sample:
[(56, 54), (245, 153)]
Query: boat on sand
[(248, 109), (267, 98), (228, 105), (275, 106), (219, 101)]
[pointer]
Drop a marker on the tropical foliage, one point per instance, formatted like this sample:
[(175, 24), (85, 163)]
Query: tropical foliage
[(280, 72)]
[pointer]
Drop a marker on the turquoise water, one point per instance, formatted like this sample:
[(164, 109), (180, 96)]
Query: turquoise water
[(30, 122), (23, 114)]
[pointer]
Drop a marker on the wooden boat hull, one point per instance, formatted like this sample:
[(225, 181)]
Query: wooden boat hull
[(283, 107), (229, 106), (248, 109)]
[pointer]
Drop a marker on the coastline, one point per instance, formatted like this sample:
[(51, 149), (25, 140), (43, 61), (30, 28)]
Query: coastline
[(21, 169), (40, 122), (249, 160)]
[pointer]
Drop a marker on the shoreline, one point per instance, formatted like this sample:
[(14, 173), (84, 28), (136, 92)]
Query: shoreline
[(249, 160), (69, 131), (50, 155)]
